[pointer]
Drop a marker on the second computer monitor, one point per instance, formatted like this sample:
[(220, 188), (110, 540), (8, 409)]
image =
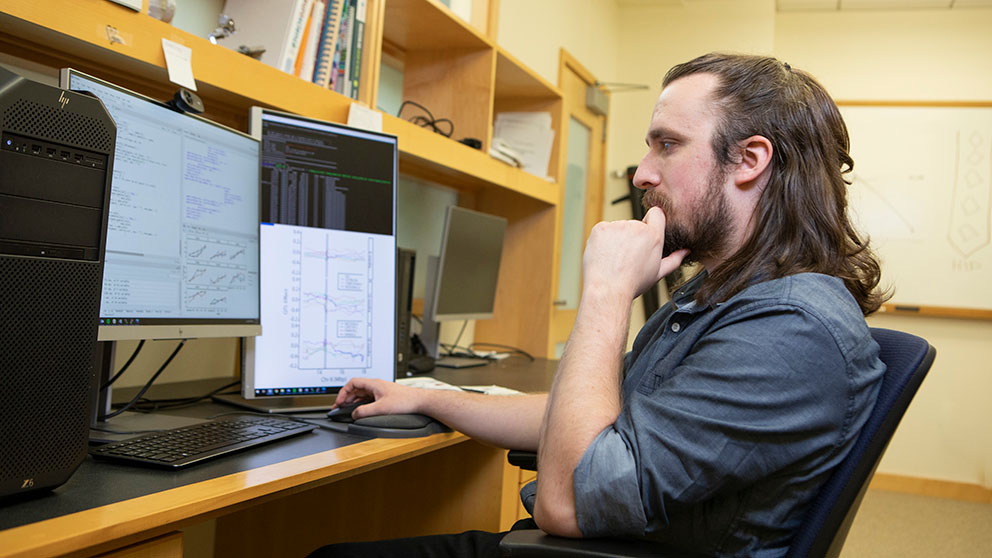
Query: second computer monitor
[(461, 283), (328, 260)]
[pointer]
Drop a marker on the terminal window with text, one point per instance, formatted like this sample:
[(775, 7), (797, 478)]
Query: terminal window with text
[(328, 246), (183, 234)]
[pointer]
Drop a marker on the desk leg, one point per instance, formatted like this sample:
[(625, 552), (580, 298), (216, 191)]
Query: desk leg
[(446, 491)]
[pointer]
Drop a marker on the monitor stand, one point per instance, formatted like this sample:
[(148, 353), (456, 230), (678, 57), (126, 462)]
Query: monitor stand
[(296, 404), (460, 362)]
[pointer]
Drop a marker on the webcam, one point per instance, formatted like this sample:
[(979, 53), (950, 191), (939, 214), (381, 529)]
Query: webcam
[(186, 101)]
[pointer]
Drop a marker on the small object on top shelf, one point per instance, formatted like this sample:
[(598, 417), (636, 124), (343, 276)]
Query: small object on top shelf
[(502, 151), (255, 52), (163, 10), (428, 121), (225, 28)]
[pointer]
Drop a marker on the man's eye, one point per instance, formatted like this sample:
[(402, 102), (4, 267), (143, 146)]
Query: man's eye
[(666, 145)]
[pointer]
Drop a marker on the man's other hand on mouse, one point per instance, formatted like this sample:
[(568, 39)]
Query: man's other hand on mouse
[(388, 398)]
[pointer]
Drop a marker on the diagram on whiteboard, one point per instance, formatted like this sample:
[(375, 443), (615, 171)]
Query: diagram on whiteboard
[(970, 208), (922, 192)]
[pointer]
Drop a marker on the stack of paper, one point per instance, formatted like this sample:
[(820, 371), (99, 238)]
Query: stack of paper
[(529, 135), (431, 383)]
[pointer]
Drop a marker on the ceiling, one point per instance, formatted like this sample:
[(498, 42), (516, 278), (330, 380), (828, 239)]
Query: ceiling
[(839, 5)]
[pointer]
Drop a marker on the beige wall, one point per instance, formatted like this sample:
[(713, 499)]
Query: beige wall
[(535, 30), (917, 55), (890, 55)]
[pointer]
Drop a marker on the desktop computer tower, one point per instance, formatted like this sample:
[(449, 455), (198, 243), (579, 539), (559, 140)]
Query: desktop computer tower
[(56, 156), (405, 263)]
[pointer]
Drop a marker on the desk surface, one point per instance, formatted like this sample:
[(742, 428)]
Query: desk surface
[(104, 505)]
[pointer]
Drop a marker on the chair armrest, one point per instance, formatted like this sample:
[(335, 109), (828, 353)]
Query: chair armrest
[(536, 543), (523, 459)]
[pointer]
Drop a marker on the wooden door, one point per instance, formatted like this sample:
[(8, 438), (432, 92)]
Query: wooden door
[(581, 207)]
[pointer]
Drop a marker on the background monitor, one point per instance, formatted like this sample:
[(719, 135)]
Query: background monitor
[(461, 280), (182, 239), (328, 252)]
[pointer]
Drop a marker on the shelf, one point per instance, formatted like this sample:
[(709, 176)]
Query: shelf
[(433, 156), (229, 82), (426, 25), (513, 79), (449, 66), (518, 89)]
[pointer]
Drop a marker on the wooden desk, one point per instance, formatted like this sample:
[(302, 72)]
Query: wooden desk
[(356, 489)]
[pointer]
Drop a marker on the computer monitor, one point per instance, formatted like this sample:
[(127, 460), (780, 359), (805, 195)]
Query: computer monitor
[(461, 280), (328, 245), (182, 234), (182, 251)]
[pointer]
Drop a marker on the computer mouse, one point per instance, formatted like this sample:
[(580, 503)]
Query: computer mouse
[(342, 413)]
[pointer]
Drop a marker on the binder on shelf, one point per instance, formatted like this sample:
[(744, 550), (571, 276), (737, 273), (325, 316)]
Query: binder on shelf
[(328, 43), (275, 25)]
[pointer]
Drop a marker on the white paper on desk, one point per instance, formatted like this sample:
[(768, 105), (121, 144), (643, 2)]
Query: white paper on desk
[(179, 62), (530, 135), (426, 383), (494, 390)]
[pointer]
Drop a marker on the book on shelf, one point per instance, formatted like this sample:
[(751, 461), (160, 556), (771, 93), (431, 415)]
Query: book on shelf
[(339, 75), (307, 56), (357, 41), (296, 34), (275, 25), (328, 43)]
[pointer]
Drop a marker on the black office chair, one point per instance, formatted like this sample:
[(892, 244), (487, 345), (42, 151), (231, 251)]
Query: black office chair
[(822, 533)]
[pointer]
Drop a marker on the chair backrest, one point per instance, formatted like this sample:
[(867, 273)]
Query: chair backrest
[(907, 359)]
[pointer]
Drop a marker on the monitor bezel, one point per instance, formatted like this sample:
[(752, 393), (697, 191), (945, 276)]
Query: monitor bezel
[(188, 328), (277, 402)]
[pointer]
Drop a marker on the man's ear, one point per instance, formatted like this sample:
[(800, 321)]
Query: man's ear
[(756, 157)]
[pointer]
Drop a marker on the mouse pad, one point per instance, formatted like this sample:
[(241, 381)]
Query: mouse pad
[(391, 426)]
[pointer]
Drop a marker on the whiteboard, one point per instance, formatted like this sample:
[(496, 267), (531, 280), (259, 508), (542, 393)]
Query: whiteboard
[(922, 190)]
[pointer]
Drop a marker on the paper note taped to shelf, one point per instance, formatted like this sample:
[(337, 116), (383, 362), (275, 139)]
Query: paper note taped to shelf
[(179, 62), (364, 118)]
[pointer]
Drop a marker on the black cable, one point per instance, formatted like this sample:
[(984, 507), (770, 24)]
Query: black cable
[(110, 382), (428, 121), (147, 385), (177, 402), (454, 346)]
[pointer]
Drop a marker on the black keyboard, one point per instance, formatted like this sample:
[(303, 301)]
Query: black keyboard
[(179, 447)]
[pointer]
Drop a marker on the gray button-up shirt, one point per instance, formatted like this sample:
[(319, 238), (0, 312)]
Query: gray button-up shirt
[(732, 418)]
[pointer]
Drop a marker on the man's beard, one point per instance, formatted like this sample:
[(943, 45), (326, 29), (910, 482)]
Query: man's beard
[(708, 228)]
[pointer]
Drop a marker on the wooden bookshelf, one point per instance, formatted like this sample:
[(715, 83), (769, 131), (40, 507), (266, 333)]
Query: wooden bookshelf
[(453, 67)]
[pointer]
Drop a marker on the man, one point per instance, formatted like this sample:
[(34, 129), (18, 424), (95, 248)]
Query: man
[(740, 395)]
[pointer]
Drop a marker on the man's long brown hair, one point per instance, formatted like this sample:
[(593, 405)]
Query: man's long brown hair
[(800, 223)]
